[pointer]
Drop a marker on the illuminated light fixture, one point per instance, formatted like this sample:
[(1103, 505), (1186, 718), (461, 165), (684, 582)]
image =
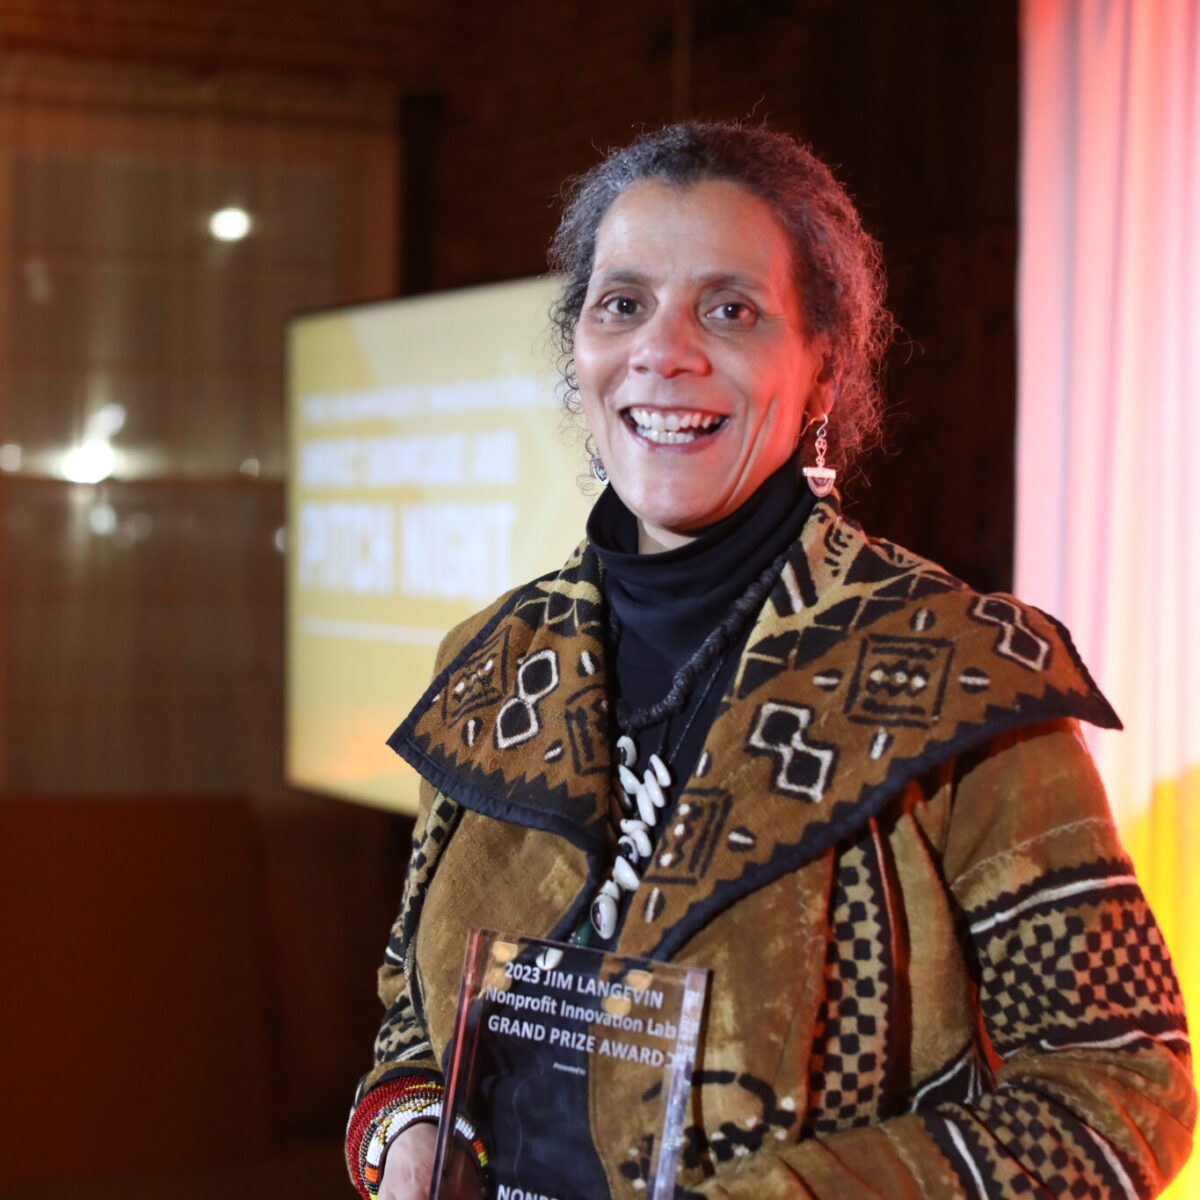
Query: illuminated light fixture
[(10, 457), (102, 519), (106, 421), (229, 224), (91, 462)]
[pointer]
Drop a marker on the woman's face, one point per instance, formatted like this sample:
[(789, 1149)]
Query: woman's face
[(693, 365)]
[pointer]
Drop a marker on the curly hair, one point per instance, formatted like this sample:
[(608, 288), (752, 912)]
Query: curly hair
[(837, 265)]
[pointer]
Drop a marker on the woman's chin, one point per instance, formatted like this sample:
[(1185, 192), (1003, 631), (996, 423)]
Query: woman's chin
[(666, 528)]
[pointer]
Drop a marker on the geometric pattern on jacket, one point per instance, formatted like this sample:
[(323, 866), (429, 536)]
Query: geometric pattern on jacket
[(894, 767)]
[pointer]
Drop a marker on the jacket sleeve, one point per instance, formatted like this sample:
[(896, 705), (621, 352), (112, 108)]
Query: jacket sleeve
[(406, 1076), (402, 1046), (1080, 1010), (405, 1073), (402, 1043)]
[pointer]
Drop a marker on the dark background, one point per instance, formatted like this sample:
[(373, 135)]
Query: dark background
[(188, 972)]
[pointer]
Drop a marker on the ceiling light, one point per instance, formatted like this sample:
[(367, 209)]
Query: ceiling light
[(90, 462), (102, 519), (230, 224), (106, 421)]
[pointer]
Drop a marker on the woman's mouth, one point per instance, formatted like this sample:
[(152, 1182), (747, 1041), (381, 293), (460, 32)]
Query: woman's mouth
[(673, 426)]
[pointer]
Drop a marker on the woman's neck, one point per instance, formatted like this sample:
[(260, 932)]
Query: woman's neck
[(654, 539), (669, 593)]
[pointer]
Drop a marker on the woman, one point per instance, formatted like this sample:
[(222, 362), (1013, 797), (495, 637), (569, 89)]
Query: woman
[(932, 971)]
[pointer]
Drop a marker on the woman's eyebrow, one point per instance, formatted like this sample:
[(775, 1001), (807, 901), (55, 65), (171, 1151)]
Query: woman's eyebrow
[(733, 279), (621, 275), (709, 279)]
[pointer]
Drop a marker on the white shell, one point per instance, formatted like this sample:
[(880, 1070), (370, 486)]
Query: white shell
[(609, 889), (627, 748), (636, 832), (549, 958), (660, 769), (627, 846), (625, 875), (629, 781), (604, 915), (652, 786), (646, 808)]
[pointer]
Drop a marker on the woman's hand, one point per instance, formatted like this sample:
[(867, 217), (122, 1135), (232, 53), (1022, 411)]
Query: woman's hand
[(408, 1168)]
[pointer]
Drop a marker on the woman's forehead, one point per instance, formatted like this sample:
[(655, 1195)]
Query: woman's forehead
[(714, 231)]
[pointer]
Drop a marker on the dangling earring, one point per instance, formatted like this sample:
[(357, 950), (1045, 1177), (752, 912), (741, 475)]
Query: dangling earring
[(820, 477), (598, 470)]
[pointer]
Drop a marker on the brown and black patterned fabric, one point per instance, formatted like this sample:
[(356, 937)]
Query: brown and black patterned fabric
[(933, 973)]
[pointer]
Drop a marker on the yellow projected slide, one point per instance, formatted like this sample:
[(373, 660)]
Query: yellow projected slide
[(430, 470)]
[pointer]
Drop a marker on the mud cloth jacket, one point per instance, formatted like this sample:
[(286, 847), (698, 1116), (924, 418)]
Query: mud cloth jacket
[(933, 971)]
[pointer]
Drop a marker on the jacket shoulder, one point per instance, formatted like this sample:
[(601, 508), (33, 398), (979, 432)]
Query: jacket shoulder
[(574, 586), (465, 632), (871, 598)]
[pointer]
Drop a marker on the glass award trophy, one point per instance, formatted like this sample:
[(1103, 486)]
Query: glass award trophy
[(551, 1041)]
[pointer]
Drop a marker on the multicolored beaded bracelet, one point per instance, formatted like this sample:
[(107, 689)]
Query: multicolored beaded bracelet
[(398, 1105)]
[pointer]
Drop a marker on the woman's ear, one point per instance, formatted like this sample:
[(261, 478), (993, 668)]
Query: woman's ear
[(821, 396)]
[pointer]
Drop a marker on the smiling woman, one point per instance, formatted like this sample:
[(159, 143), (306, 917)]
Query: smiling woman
[(735, 732)]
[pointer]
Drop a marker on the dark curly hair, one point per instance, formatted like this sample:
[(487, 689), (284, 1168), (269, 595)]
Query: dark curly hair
[(838, 266)]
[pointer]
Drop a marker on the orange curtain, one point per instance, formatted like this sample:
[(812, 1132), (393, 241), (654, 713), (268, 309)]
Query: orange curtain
[(1108, 470)]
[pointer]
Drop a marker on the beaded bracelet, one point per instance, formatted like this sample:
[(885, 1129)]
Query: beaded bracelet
[(372, 1109), (404, 1103), (400, 1120)]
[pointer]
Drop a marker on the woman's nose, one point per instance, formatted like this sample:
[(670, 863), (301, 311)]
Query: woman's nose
[(670, 343)]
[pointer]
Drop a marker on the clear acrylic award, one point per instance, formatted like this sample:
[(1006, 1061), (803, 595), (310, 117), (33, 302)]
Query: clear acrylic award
[(551, 1039)]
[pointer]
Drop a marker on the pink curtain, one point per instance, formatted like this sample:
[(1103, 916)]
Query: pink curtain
[(1108, 470)]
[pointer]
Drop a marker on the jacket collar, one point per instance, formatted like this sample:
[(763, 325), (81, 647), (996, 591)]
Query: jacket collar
[(866, 667)]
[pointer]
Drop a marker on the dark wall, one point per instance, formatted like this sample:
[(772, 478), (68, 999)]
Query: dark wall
[(188, 982)]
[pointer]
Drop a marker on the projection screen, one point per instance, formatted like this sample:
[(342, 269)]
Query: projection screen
[(430, 469)]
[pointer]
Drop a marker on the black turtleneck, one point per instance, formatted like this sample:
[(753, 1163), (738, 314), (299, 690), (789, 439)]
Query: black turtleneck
[(668, 603)]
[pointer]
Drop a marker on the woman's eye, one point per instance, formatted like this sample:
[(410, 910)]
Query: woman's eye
[(733, 310), (621, 306)]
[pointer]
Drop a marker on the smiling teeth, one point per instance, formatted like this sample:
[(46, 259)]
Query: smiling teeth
[(673, 427)]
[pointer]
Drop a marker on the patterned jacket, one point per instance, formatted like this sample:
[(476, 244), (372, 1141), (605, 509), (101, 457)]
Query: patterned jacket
[(933, 971)]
